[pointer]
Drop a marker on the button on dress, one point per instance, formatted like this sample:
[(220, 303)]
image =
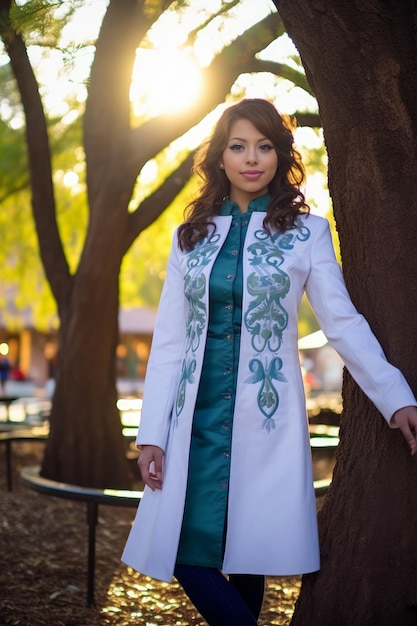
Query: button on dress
[(204, 522)]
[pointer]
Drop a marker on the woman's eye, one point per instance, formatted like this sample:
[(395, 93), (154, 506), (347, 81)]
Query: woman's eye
[(265, 147)]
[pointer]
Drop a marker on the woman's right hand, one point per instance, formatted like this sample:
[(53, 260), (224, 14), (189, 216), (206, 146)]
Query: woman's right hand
[(150, 466)]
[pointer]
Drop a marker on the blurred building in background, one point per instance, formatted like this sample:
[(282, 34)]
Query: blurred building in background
[(33, 353)]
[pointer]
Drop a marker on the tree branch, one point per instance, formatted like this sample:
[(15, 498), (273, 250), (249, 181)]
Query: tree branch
[(192, 35), (152, 207), (307, 119), (282, 70)]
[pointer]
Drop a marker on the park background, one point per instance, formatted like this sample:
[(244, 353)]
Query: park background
[(95, 175)]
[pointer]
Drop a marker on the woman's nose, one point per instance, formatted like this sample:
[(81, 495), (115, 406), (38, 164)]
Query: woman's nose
[(251, 155)]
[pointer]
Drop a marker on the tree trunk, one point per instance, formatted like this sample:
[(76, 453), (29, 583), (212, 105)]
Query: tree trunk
[(85, 422), (360, 59)]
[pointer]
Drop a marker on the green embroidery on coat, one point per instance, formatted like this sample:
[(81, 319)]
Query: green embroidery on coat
[(268, 398), (195, 287), (266, 318), (187, 376)]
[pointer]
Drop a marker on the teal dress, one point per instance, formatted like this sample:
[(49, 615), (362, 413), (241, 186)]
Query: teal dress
[(204, 522)]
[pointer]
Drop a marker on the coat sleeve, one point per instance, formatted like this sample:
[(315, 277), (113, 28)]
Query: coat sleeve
[(164, 364), (349, 333)]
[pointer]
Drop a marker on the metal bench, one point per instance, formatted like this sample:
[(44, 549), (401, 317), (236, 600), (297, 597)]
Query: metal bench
[(8, 437), (92, 497), (11, 432)]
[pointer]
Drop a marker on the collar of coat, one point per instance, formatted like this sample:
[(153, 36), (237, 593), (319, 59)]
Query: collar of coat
[(257, 204)]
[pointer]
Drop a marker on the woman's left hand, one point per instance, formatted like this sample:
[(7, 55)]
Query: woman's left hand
[(406, 420)]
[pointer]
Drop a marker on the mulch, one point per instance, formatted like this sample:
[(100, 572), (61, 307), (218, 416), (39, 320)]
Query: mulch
[(43, 573)]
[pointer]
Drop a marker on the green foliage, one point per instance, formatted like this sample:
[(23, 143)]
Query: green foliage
[(307, 321), (22, 280), (14, 174), (42, 21)]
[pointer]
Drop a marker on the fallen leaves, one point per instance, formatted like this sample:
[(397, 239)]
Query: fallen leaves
[(43, 567)]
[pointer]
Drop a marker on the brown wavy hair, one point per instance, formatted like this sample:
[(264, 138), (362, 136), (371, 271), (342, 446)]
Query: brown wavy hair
[(287, 200)]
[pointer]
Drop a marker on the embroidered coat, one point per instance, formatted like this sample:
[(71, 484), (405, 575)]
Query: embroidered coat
[(271, 523)]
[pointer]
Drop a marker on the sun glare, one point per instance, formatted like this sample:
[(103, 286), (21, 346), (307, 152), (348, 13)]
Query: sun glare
[(164, 81)]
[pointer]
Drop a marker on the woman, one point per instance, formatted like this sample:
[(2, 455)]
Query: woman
[(224, 437)]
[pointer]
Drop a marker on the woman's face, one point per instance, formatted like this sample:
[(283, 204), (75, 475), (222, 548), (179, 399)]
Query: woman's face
[(249, 161)]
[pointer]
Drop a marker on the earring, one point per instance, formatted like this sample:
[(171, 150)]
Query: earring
[(221, 166)]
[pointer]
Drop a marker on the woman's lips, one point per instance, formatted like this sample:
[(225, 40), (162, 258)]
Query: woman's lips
[(252, 174)]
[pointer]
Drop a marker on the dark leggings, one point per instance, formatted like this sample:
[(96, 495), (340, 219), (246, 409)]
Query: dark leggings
[(222, 602)]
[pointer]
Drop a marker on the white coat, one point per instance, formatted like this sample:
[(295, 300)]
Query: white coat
[(271, 523)]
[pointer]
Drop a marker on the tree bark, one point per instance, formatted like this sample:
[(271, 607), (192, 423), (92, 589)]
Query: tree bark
[(361, 60), (85, 446)]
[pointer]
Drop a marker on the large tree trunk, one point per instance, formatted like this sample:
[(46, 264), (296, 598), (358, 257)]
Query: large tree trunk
[(360, 59), (85, 426)]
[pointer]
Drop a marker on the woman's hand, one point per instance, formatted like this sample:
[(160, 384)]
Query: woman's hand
[(150, 466), (406, 420)]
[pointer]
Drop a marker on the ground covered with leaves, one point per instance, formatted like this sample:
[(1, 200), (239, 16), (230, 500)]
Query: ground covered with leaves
[(43, 573)]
